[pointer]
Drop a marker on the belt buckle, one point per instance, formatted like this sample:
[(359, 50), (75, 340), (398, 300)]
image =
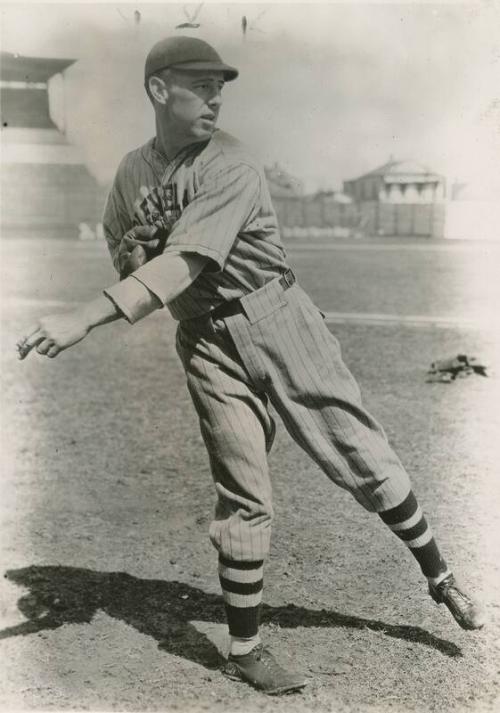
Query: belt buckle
[(288, 278)]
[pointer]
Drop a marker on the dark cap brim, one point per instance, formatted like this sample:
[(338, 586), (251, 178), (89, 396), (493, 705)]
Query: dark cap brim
[(230, 73)]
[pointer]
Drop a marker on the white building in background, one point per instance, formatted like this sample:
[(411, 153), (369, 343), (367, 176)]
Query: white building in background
[(398, 182), (46, 188), (399, 199)]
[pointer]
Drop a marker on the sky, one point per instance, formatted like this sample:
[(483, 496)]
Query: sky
[(329, 91)]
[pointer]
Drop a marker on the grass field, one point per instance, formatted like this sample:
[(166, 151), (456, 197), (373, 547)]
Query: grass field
[(110, 600)]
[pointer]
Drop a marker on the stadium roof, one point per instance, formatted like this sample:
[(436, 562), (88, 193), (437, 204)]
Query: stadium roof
[(16, 68)]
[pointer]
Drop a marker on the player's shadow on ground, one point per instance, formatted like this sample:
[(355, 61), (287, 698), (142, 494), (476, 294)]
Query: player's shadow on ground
[(68, 595)]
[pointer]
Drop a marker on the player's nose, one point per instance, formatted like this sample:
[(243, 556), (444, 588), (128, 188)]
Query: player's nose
[(215, 100)]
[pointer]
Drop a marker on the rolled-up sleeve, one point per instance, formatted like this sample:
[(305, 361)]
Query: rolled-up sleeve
[(209, 225), (133, 299)]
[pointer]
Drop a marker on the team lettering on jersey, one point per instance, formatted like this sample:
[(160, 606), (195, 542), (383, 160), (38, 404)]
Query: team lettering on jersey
[(157, 206)]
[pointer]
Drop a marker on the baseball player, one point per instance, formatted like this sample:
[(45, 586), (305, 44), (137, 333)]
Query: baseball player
[(247, 335)]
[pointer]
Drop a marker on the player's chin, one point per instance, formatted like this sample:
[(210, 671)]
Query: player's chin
[(203, 129)]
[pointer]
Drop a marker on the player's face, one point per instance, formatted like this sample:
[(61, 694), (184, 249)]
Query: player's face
[(193, 102)]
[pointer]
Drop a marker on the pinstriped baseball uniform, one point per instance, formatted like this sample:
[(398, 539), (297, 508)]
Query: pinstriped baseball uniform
[(248, 336), (231, 220), (276, 349)]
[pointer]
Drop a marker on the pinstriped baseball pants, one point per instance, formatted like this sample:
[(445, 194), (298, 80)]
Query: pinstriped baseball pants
[(280, 351)]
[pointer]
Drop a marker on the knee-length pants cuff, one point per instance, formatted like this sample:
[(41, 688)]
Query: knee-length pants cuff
[(284, 354)]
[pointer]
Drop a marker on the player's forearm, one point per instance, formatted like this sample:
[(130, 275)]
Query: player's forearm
[(99, 311), (155, 284)]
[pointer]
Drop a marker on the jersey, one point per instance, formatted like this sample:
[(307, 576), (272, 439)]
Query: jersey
[(230, 219)]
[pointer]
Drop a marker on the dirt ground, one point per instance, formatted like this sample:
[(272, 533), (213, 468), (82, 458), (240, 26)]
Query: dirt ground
[(110, 598)]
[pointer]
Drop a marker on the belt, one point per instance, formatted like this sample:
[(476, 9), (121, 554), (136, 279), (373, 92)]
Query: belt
[(228, 309)]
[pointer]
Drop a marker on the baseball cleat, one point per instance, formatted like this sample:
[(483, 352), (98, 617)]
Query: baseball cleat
[(260, 669), (465, 610)]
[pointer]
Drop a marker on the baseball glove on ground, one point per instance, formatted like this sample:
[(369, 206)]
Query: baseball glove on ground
[(446, 370)]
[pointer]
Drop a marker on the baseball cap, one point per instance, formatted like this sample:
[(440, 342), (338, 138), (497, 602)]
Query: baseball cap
[(186, 53)]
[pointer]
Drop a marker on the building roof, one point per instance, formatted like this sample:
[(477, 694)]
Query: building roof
[(401, 171), (17, 68), (331, 196)]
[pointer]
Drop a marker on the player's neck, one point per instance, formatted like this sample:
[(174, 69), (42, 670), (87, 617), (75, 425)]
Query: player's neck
[(168, 143)]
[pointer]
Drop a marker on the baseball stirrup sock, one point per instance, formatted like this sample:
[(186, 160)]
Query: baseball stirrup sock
[(242, 584), (408, 522)]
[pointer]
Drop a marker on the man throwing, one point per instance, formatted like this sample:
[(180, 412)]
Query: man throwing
[(247, 335)]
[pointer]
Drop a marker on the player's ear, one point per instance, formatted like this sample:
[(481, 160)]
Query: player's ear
[(158, 89)]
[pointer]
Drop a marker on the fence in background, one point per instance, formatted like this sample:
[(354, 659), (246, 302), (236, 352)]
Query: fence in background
[(46, 200), (370, 218)]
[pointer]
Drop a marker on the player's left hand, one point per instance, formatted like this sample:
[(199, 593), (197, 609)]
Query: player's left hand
[(143, 235), (136, 246), (54, 333)]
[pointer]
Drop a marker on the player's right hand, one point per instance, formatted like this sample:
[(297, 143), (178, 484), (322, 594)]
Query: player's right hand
[(52, 334)]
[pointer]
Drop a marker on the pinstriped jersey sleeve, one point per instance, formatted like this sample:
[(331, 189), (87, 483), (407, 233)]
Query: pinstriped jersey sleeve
[(209, 225), (116, 220)]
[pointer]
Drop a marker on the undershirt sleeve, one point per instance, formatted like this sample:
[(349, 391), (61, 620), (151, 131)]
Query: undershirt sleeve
[(133, 299)]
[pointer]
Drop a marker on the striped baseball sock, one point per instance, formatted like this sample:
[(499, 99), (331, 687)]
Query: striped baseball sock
[(408, 522), (242, 584)]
